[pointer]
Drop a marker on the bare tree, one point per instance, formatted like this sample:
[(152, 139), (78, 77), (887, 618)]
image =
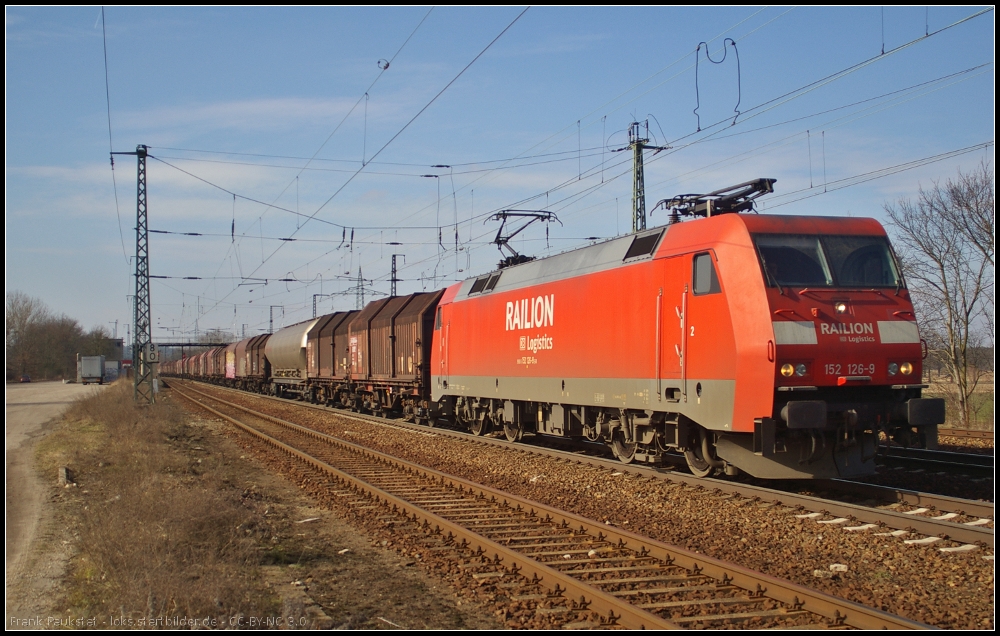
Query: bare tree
[(974, 193), (946, 243), (216, 335), (44, 345), (23, 315), (59, 340)]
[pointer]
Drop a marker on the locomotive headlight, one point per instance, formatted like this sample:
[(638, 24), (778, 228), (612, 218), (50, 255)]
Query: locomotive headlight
[(893, 368), (840, 308), (800, 370), (787, 370), (906, 368)]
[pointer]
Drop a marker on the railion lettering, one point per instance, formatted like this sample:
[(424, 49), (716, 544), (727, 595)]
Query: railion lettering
[(531, 313), (846, 328)]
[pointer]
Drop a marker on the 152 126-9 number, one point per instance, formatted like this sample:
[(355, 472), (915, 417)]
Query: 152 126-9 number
[(851, 369)]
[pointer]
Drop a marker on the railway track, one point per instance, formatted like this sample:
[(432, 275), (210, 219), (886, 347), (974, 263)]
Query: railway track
[(973, 465), (965, 433), (552, 557), (916, 516)]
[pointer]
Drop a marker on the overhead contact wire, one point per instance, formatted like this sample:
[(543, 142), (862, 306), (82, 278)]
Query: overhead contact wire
[(111, 145), (383, 69), (394, 137)]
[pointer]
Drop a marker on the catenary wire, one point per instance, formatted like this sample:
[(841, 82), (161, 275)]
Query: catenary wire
[(407, 125), (727, 120)]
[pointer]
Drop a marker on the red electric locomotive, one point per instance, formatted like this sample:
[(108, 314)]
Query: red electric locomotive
[(777, 345)]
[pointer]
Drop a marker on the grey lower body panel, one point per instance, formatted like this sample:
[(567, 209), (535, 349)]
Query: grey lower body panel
[(804, 457), (708, 402)]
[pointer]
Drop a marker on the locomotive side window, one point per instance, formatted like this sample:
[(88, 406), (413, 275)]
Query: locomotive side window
[(437, 321), (643, 245), (478, 285), (706, 281), (793, 259), (485, 284), (494, 279), (861, 261)]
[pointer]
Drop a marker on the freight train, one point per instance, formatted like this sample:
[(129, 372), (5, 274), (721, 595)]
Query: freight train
[(781, 346)]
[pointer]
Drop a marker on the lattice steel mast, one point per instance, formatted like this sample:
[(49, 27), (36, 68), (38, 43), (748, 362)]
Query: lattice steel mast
[(360, 299), (144, 355), (638, 144)]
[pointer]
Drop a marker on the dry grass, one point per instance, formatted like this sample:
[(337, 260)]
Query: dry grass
[(161, 532), (981, 412)]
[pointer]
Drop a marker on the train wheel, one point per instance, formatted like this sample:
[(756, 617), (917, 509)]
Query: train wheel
[(624, 451), (480, 426), (701, 456), (463, 418), (697, 464), (512, 431)]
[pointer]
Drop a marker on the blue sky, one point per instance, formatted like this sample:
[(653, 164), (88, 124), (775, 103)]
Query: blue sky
[(268, 103)]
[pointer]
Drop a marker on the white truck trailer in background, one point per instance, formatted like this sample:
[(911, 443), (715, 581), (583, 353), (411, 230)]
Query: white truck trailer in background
[(89, 369)]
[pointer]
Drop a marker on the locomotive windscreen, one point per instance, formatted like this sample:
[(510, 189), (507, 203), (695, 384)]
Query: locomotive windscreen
[(826, 261), (861, 261)]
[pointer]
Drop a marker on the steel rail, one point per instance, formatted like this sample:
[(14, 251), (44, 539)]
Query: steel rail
[(943, 461), (949, 457), (968, 433), (840, 611), (969, 507), (629, 616), (863, 514)]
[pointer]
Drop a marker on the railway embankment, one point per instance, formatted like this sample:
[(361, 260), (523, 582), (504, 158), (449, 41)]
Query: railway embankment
[(910, 578), (164, 522)]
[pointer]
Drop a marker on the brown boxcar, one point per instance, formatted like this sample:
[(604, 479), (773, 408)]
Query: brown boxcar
[(230, 363), (381, 339), (360, 340), (258, 365), (401, 337), (320, 352), (241, 358), (217, 363), (342, 347)]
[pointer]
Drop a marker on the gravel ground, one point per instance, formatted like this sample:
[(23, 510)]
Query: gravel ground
[(965, 445), (961, 486), (949, 590), (315, 557)]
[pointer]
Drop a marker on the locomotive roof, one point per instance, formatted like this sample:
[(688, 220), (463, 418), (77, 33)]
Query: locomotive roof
[(633, 248)]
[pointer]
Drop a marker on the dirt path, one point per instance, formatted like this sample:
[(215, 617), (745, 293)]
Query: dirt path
[(31, 410)]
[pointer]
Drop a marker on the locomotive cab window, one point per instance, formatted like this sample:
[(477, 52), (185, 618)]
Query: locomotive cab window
[(794, 260), (827, 261), (861, 261), (437, 321), (706, 281)]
